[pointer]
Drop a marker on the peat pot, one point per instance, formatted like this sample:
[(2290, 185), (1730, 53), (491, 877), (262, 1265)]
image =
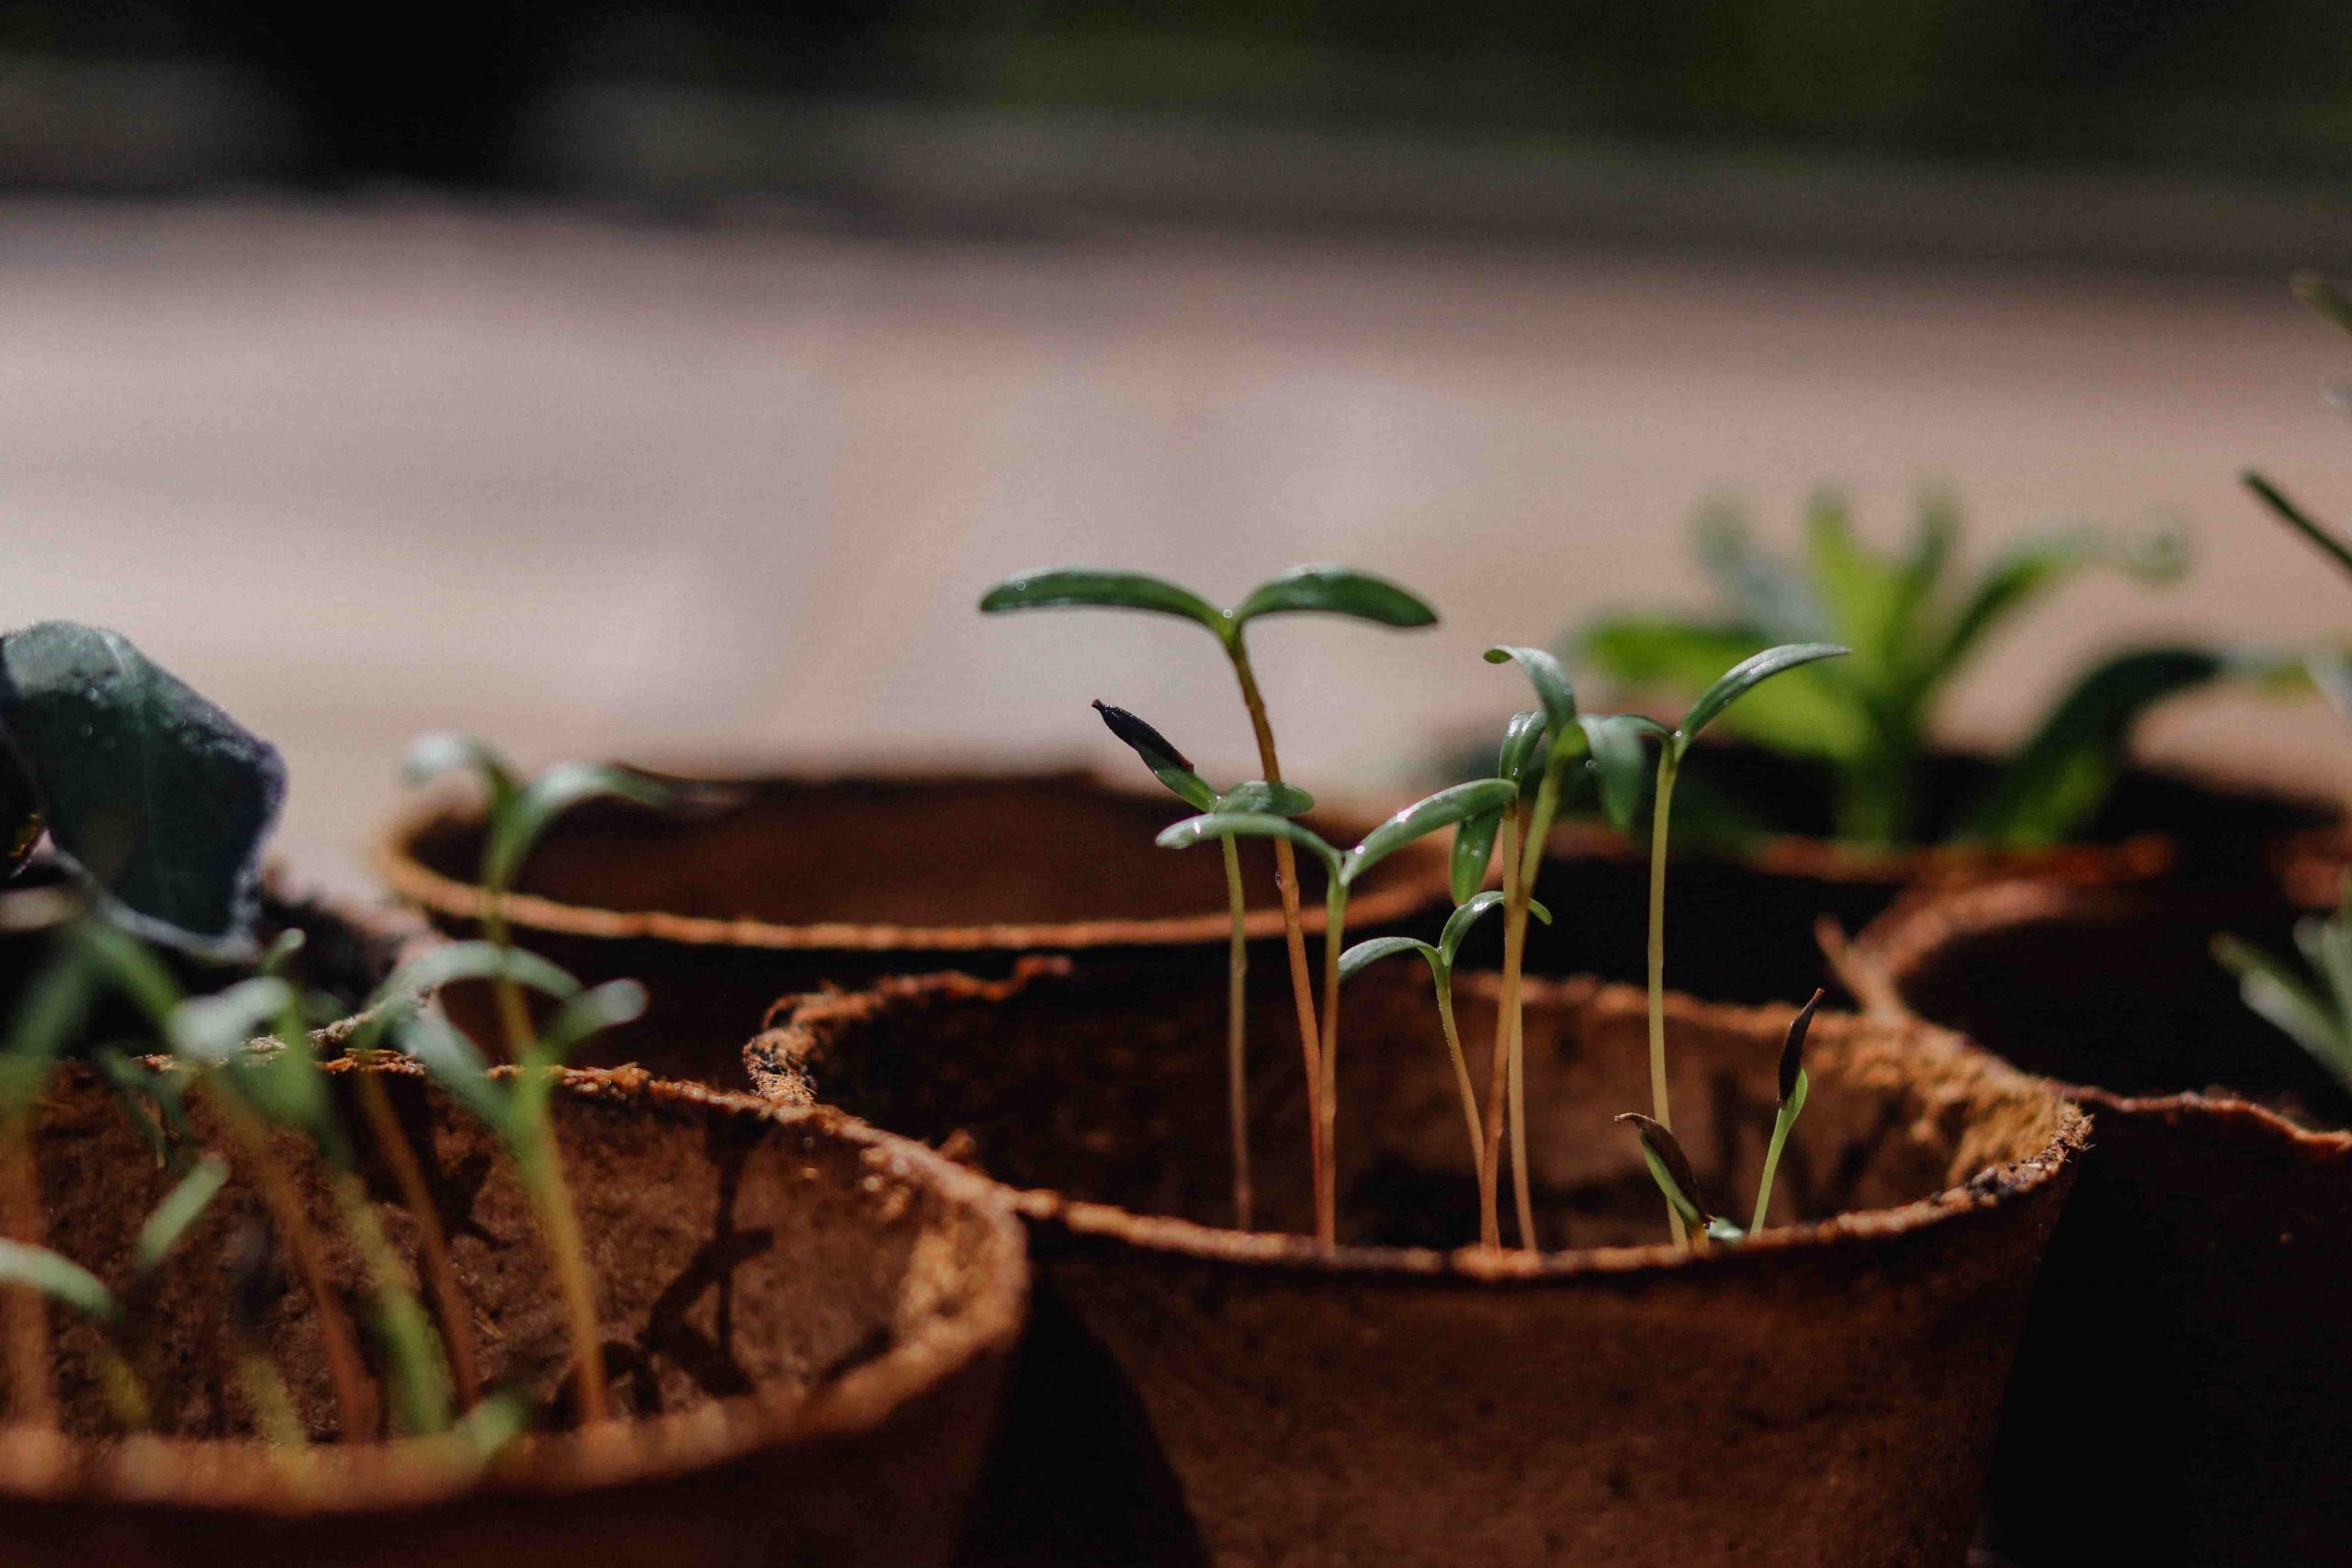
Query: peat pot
[(806, 1324), (2185, 1335), (1743, 912), (794, 883), (1194, 1395)]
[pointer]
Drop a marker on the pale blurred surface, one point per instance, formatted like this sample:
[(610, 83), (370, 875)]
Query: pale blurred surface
[(597, 489)]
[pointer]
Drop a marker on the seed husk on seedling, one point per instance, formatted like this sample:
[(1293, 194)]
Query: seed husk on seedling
[(1172, 768), (1670, 1168), (1306, 589), (1440, 959), (1794, 1087), (1447, 808)]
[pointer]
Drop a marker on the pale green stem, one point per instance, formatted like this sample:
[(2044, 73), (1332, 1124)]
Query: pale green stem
[(513, 1015), (543, 1176), (1334, 935), (1781, 1123), (419, 1380), (1490, 1224), (1236, 1033), (1537, 829), (1668, 761), (1444, 978), (1302, 982)]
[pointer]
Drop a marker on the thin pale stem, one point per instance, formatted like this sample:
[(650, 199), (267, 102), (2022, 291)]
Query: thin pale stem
[(31, 1401), (575, 1281), (1490, 1223), (1668, 763), (1326, 1205), (1302, 982), (338, 1340), (421, 1399), (1532, 834), (433, 1242), (1236, 1033), (1781, 1126), (513, 1013), (1444, 980)]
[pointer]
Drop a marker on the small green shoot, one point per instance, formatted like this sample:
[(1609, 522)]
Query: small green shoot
[(1794, 1087), (1440, 959), (1306, 590), (2313, 1010), (1171, 768), (1447, 808), (1670, 1168)]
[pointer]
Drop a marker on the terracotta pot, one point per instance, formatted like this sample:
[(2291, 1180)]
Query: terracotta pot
[(804, 881), (1741, 924), (1194, 1395), (806, 1324), (2183, 1335)]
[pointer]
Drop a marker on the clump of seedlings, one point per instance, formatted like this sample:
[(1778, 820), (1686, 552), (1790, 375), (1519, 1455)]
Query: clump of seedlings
[(1171, 768), (1306, 590), (248, 1051), (1915, 624)]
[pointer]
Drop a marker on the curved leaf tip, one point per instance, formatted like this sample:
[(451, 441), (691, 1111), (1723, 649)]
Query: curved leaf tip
[(1792, 1050), (1336, 591), (1100, 588)]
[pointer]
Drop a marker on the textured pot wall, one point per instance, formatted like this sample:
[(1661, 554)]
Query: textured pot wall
[(1194, 1395), (2183, 1335), (806, 1330)]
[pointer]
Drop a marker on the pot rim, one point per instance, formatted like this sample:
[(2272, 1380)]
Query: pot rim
[(1471, 1267), (224, 1475), (1418, 875), (1890, 947)]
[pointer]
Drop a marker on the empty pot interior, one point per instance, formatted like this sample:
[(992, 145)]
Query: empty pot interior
[(1110, 1085), (732, 1252), (915, 852), (2116, 988)]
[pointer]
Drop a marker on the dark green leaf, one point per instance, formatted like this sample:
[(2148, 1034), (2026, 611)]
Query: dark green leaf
[(1080, 587), (2054, 783), (1670, 1168), (59, 1278), (1619, 765), (448, 751), (1335, 590), (1474, 851), (1382, 947), (1271, 799), (1553, 688), (181, 1207), (1169, 765), (1793, 1048), (1803, 716), (1747, 674), (1246, 825), (2276, 993), (158, 796), (593, 1011), (1443, 809), (1458, 924), (2326, 540), (549, 796), (1522, 748)]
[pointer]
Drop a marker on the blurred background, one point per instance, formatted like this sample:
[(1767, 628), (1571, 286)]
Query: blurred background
[(667, 379)]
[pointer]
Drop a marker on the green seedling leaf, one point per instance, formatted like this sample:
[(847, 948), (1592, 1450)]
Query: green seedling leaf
[(1670, 1168), (124, 962), (1246, 825), (549, 796), (1474, 842), (1520, 760), (2033, 566), (2057, 781), (1380, 947), (280, 953), (1473, 851), (2322, 296), (460, 960), (2324, 539), (1618, 763), (154, 794), (1443, 809), (1792, 1050), (593, 1011), (60, 1279), (1458, 924), (448, 752), (1745, 676), (149, 1101), (214, 1031), (51, 1012), (2277, 993), (1550, 679), (1804, 715), (1079, 587), (456, 1066), (1270, 799), (1334, 591), (492, 1426), (181, 1207), (1169, 765)]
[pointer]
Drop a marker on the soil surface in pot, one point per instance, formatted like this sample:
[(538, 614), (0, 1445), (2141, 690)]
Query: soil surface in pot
[(1195, 1395), (2182, 1335), (1741, 912), (794, 884), (805, 1326)]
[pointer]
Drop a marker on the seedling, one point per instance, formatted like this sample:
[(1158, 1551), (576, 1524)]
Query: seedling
[(1447, 808), (1441, 962), (1670, 1168), (1306, 590), (2314, 1008), (1794, 1087), (1915, 626), (1171, 768)]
